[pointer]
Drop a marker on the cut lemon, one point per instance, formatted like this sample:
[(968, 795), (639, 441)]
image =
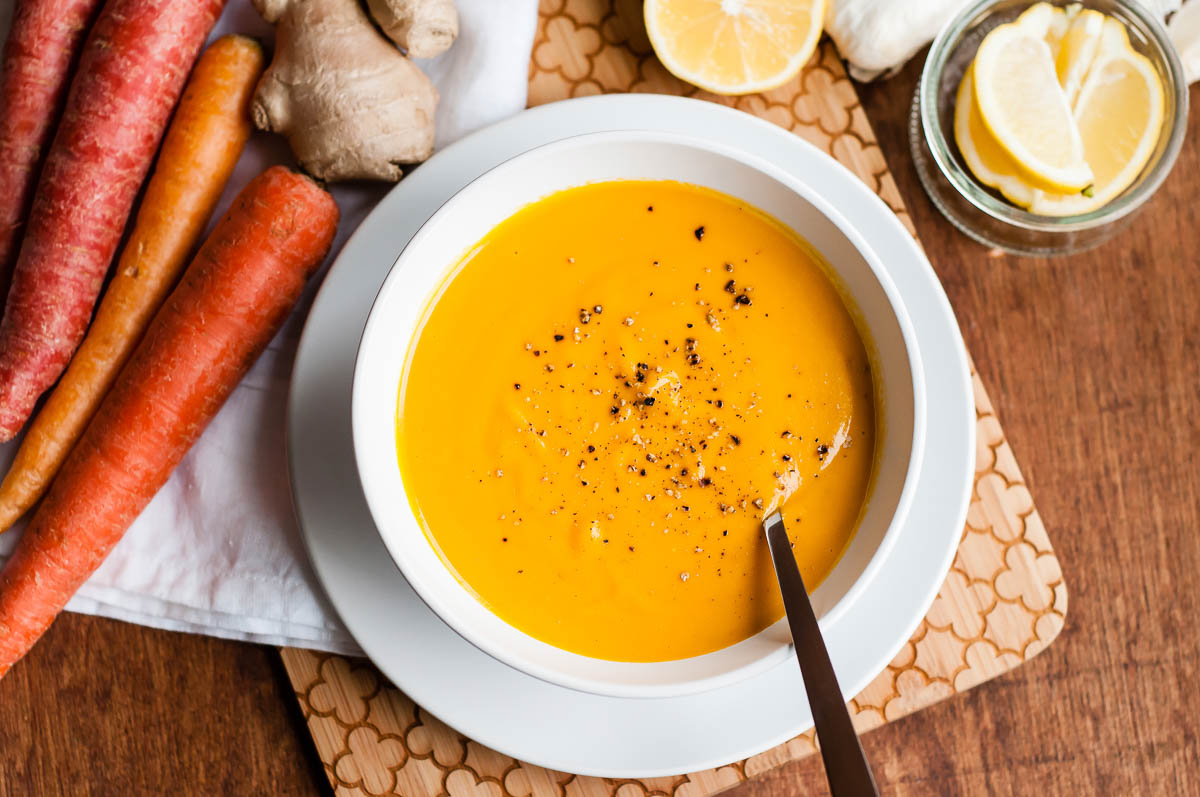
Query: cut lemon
[(1024, 107), (986, 159), (1115, 100), (1059, 21), (1077, 50), (734, 46), (1119, 114)]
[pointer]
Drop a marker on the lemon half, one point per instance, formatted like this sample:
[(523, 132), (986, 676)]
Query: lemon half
[(734, 46)]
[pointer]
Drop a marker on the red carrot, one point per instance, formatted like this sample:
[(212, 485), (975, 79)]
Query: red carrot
[(202, 144), (130, 74), (233, 298), (42, 43)]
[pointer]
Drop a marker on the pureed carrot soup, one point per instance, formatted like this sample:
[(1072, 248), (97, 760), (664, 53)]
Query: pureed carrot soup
[(612, 390)]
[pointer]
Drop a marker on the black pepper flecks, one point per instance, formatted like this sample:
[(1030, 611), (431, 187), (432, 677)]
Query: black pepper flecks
[(699, 233), (680, 471)]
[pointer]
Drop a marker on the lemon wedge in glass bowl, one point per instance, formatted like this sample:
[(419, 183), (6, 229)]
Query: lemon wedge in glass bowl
[(1015, 82), (1114, 99), (1119, 113), (986, 159), (1076, 50)]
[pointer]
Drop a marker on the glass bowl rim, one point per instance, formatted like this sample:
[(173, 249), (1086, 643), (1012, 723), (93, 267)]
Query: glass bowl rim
[(1148, 182)]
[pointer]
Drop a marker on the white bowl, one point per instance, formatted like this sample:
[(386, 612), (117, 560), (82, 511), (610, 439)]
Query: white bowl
[(419, 270)]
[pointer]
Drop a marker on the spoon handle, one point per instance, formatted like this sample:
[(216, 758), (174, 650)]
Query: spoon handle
[(846, 766)]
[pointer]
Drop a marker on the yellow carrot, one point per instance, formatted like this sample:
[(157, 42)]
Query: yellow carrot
[(201, 146)]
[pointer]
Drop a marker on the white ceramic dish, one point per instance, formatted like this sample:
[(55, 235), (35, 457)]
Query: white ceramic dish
[(531, 719), (418, 276)]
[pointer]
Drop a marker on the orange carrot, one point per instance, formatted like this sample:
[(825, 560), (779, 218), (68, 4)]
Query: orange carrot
[(232, 300), (202, 145)]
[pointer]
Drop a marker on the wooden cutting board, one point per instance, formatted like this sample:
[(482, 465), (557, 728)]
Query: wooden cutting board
[(1003, 602)]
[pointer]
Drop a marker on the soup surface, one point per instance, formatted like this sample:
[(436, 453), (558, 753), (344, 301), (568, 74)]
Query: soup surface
[(611, 391)]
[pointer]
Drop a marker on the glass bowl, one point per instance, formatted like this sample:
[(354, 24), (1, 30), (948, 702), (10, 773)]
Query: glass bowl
[(981, 212)]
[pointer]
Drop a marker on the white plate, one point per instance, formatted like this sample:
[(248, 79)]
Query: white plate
[(517, 714)]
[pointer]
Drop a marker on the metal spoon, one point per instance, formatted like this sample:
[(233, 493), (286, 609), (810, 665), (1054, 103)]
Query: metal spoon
[(846, 766)]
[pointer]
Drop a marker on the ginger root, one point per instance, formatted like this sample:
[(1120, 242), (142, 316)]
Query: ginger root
[(350, 104), (423, 28)]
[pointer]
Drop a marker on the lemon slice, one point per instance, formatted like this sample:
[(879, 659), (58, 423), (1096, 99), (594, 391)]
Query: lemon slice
[(1024, 107), (986, 159), (734, 46), (1060, 22), (1077, 50), (1119, 114)]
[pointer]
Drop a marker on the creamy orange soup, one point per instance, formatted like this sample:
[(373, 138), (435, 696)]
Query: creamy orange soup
[(607, 396)]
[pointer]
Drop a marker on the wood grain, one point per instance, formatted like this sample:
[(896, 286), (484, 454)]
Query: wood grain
[(1093, 363), (107, 708)]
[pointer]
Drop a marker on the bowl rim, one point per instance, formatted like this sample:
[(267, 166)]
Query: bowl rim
[(432, 598), (1133, 197)]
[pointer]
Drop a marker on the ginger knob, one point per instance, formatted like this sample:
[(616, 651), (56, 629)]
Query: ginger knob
[(350, 104)]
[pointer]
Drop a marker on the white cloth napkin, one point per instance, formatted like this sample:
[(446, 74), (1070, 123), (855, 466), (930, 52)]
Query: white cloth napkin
[(877, 37), (218, 551)]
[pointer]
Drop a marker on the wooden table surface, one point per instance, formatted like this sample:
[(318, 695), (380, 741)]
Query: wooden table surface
[(1093, 362)]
